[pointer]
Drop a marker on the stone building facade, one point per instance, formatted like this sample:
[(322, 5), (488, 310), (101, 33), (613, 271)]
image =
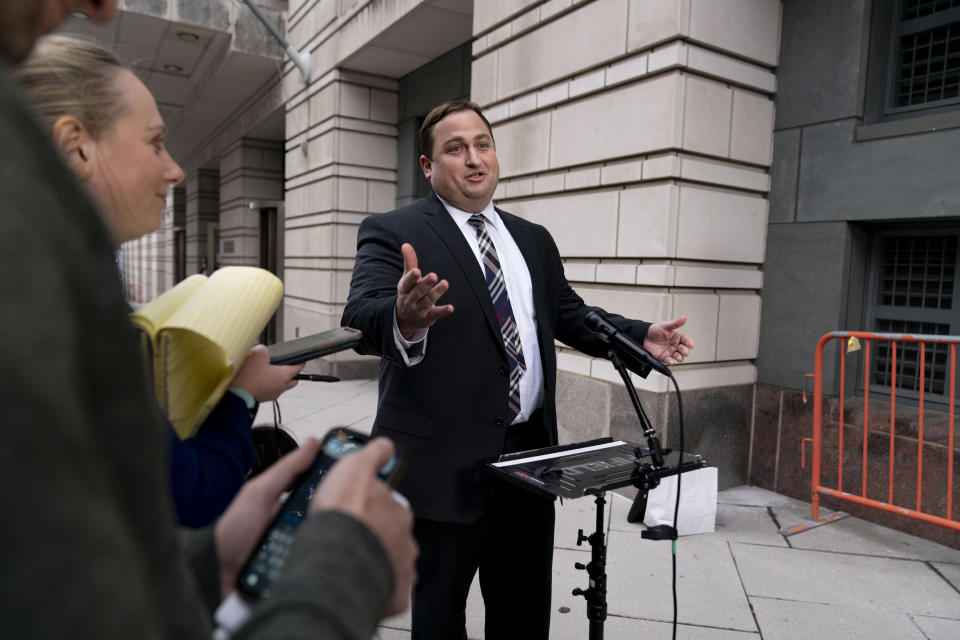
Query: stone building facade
[(690, 157)]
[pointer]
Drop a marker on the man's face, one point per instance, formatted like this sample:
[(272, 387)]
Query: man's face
[(463, 170), (23, 21)]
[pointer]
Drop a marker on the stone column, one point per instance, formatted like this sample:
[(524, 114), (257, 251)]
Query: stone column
[(201, 218), (340, 166), (251, 171)]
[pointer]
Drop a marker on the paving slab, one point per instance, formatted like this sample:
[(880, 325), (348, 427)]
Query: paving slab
[(753, 525), (866, 582), (709, 591), (314, 399), (572, 624), (617, 628), (748, 496), (853, 535), (789, 620), (938, 628), (951, 572)]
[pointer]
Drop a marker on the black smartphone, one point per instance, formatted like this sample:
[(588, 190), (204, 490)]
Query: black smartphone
[(315, 346), (270, 554)]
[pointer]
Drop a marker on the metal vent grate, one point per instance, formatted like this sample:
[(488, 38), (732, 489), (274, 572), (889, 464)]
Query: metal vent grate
[(913, 9), (908, 357), (918, 271)]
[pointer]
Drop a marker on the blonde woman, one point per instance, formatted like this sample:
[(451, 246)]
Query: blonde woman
[(109, 131)]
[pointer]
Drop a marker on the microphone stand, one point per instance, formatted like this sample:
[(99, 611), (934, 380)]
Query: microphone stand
[(596, 593), (656, 454), (645, 481)]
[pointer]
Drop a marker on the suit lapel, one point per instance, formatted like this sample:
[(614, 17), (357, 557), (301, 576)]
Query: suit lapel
[(449, 234)]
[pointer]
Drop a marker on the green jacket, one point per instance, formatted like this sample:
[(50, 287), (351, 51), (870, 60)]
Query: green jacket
[(88, 546)]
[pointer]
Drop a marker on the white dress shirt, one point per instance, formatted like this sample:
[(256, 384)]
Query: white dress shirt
[(520, 289)]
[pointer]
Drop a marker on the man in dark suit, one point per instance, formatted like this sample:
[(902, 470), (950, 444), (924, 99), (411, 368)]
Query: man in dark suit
[(458, 391)]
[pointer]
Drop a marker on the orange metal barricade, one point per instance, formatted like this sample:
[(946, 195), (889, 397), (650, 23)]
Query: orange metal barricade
[(817, 489)]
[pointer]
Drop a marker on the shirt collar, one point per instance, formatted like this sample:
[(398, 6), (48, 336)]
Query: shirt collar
[(460, 216)]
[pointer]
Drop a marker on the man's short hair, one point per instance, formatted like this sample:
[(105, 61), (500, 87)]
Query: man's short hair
[(440, 112)]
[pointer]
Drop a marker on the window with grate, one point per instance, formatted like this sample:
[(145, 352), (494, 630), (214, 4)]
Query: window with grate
[(935, 372), (926, 70), (915, 288)]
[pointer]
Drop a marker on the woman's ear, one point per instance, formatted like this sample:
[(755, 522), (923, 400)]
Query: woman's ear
[(74, 142)]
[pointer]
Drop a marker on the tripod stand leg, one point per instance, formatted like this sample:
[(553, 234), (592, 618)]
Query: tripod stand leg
[(638, 508)]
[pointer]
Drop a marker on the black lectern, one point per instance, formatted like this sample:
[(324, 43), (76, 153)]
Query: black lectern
[(592, 468)]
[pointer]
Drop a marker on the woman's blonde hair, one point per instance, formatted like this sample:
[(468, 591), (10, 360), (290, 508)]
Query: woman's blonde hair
[(67, 75)]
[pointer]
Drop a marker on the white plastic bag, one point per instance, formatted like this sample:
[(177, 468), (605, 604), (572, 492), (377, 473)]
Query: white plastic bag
[(698, 502)]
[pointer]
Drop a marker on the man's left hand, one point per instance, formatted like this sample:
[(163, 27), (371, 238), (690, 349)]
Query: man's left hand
[(666, 343)]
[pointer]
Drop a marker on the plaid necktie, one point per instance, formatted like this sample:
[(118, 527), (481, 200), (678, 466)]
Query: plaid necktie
[(501, 304)]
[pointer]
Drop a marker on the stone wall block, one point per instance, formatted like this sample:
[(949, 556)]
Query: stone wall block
[(323, 104), (576, 271), (720, 225), (384, 106), (582, 225), (646, 113), (702, 310), (717, 426), (563, 47), (483, 78), (648, 221), (654, 22), (632, 303), (586, 408), (617, 273), (491, 12), (354, 101), (367, 150), (750, 28), (751, 135), (351, 195), (381, 196), (796, 423), (706, 117), (738, 326), (523, 145), (766, 432), (308, 241)]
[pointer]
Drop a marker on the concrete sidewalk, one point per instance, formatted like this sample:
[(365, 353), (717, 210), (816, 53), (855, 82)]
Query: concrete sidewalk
[(846, 580)]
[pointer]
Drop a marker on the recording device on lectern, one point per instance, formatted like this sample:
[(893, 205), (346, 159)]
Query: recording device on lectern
[(270, 554)]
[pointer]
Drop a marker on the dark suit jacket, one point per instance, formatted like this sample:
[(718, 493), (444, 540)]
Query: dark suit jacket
[(448, 411)]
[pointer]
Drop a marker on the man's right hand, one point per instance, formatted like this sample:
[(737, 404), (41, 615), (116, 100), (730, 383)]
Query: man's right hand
[(352, 486), (417, 296)]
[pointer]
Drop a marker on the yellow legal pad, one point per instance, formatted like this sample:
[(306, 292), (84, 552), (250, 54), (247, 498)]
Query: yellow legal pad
[(199, 333)]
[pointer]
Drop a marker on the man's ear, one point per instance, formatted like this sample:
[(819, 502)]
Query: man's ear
[(427, 166), (73, 140)]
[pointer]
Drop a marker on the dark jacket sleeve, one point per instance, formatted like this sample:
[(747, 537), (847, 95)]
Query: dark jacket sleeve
[(337, 583), (373, 289), (208, 469)]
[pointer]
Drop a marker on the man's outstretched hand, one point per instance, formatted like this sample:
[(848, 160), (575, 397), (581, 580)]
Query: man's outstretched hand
[(666, 343), (417, 296)]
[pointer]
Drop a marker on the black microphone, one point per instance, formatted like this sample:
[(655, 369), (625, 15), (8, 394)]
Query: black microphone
[(625, 344)]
